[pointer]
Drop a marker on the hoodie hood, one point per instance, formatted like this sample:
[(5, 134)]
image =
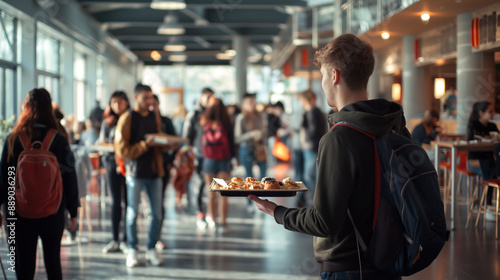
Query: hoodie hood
[(376, 116)]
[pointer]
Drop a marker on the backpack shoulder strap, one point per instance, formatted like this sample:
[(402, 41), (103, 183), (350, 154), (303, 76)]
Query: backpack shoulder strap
[(25, 141), (49, 138)]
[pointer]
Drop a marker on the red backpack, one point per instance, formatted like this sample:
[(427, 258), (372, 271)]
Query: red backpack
[(39, 185), (215, 143)]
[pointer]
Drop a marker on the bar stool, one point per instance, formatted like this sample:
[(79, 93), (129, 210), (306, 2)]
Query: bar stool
[(482, 206)]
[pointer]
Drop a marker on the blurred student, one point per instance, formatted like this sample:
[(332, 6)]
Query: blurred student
[(144, 169), (37, 124), (482, 163), (193, 131), (250, 133), (218, 149), (118, 104), (427, 130)]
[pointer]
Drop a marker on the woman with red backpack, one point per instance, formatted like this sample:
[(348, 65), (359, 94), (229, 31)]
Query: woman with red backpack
[(218, 149), (38, 183)]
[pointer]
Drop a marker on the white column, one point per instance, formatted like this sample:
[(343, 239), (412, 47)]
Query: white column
[(240, 62), (416, 83), (475, 73)]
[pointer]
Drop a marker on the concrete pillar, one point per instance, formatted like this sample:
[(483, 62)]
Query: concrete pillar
[(373, 87), (240, 62), (475, 73), (416, 83)]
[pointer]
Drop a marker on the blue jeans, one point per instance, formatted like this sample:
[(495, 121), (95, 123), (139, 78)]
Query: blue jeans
[(354, 275), (247, 157), (310, 157), (298, 165), (153, 188)]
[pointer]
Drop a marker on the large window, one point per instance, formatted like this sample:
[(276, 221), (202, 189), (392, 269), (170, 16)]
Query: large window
[(8, 65), (48, 64), (101, 86), (81, 85)]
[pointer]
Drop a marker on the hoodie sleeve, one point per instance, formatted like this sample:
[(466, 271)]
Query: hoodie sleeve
[(333, 191)]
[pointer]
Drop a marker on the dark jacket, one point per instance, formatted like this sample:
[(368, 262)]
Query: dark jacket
[(193, 131), (420, 136), (60, 148), (345, 180), (314, 126)]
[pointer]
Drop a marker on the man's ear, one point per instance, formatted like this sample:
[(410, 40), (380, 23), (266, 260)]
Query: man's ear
[(335, 76)]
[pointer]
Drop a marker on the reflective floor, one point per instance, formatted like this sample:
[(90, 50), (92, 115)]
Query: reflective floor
[(252, 246)]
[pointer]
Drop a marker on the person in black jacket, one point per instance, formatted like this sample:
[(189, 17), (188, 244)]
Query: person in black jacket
[(193, 131), (313, 127), (480, 125), (36, 119), (427, 130)]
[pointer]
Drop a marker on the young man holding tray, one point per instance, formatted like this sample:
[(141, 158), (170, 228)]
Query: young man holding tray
[(345, 163), (144, 169)]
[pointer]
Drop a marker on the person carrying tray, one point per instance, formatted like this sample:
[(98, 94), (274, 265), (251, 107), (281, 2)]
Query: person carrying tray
[(345, 163)]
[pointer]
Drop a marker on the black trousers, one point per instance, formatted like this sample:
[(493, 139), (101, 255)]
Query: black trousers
[(26, 232), (118, 191), (201, 190)]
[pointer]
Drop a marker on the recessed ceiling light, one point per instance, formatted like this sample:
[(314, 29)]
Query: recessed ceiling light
[(168, 4), (425, 17), (385, 35), (174, 48)]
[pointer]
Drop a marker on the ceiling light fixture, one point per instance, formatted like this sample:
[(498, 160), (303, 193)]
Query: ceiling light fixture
[(171, 26), (174, 48), (385, 35), (177, 57), (168, 4), (223, 56), (425, 17), (155, 55)]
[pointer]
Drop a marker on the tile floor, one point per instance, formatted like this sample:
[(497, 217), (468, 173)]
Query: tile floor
[(251, 247)]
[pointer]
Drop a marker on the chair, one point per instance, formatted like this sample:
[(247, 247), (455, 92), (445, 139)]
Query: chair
[(483, 207), (462, 171)]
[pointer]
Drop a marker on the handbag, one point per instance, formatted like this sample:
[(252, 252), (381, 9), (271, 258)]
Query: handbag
[(260, 151), (281, 151)]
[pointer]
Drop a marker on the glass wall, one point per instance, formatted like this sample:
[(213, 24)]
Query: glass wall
[(48, 64), (8, 65)]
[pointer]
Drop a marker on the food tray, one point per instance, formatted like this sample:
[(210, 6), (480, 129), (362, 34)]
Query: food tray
[(104, 147), (167, 139), (261, 193)]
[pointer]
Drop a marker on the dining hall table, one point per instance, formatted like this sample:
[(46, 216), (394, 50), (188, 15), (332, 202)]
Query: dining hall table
[(454, 146)]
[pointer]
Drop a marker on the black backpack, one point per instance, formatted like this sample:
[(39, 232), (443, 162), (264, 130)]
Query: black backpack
[(409, 227)]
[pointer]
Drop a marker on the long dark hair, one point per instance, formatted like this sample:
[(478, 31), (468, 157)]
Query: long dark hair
[(37, 109), (216, 112), (478, 107), (110, 117)]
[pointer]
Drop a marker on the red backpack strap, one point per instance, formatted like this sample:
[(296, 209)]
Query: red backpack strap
[(49, 137), (377, 170), (25, 141)]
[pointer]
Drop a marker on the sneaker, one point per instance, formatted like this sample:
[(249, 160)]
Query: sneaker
[(113, 246), (124, 247), (490, 217), (200, 221), (132, 260), (160, 245), (153, 257), (210, 221)]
